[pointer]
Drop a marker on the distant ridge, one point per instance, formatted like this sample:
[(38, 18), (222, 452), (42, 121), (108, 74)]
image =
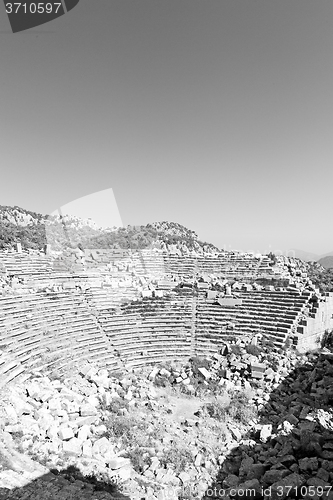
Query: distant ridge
[(309, 256), (303, 255), (35, 230), (327, 262)]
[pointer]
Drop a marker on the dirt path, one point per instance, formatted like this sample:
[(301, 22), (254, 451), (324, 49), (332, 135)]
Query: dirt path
[(183, 407)]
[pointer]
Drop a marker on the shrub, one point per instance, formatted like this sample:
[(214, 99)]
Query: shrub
[(327, 340), (177, 456), (135, 432), (118, 406), (254, 350), (236, 349), (161, 381), (267, 343), (217, 408), (235, 406), (199, 362)]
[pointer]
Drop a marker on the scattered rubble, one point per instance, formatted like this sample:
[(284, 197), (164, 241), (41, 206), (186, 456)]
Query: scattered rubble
[(287, 442)]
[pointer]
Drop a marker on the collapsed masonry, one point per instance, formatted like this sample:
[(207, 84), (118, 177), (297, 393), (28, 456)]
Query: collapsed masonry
[(287, 442)]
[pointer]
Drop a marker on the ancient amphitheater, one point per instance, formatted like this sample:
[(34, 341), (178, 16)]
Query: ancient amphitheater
[(122, 310), (117, 309)]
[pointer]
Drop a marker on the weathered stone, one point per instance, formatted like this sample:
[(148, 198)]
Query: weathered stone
[(103, 448), (87, 410), (281, 488), (72, 447), (87, 448), (266, 432), (205, 372), (274, 475), (308, 463), (198, 460), (11, 414), (323, 474), (83, 432), (118, 462), (65, 433)]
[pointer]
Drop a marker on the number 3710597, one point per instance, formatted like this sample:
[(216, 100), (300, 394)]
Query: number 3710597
[(32, 8)]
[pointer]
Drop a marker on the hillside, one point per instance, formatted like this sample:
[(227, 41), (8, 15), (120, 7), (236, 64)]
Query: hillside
[(310, 256), (327, 262), (36, 230), (320, 276), (304, 255)]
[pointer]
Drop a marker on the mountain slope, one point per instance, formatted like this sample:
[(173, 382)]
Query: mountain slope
[(326, 262), (35, 230), (304, 255)]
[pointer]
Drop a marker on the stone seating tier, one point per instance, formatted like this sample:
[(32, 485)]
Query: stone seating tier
[(55, 323), (93, 323), (274, 314)]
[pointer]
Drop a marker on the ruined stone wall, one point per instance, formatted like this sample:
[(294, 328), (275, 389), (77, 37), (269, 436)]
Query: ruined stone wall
[(312, 329)]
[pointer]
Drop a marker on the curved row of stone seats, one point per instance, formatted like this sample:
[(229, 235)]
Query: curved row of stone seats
[(145, 262), (94, 257), (25, 264), (65, 266), (235, 264), (160, 327), (180, 265), (148, 263), (58, 326), (63, 280), (120, 323), (167, 304), (274, 314), (119, 332), (11, 370), (145, 358), (154, 342), (104, 298)]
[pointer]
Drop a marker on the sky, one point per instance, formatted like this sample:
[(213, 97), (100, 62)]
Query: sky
[(216, 114)]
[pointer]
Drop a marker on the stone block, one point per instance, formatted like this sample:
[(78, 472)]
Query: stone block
[(33, 389), (103, 448), (11, 414), (83, 432), (205, 372), (72, 447), (198, 460), (118, 462), (266, 432), (87, 410), (65, 433), (52, 432), (87, 449)]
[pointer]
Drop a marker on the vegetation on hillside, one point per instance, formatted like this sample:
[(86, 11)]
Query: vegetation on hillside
[(34, 230), (322, 278), (327, 262)]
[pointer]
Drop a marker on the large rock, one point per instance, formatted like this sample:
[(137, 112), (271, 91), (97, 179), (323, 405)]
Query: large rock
[(103, 449), (282, 488), (72, 447), (65, 433)]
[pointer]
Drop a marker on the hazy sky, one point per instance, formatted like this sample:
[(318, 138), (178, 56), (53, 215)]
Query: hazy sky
[(217, 114)]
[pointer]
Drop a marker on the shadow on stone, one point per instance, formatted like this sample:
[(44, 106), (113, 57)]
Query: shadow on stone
[(289, 452), (66, 484)]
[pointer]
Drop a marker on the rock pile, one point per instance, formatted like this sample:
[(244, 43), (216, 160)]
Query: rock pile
[(286, 445), (238, 365), (60, 423), (289, 454)]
